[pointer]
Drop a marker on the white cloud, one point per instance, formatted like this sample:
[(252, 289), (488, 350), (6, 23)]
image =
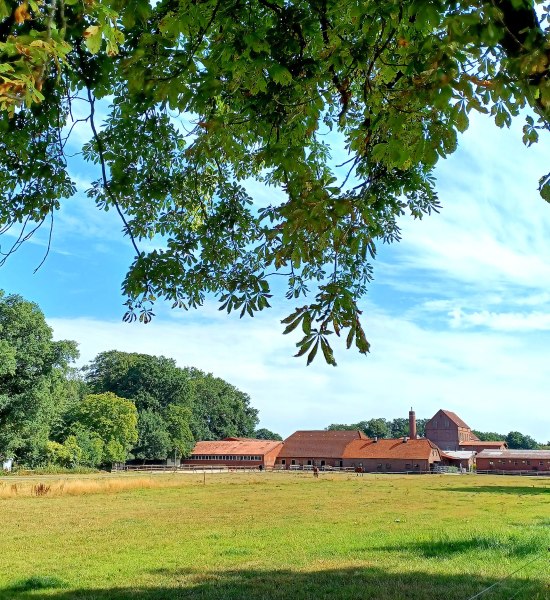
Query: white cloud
[(494, 230), (508, 321)]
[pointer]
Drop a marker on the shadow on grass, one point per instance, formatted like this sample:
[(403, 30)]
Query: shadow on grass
[(447, 547), (348, 584), (517, 490)]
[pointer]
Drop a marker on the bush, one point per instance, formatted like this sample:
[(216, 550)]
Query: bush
[(58, 455)]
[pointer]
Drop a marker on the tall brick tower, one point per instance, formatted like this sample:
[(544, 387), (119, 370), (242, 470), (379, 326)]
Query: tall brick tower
[(412, 424)]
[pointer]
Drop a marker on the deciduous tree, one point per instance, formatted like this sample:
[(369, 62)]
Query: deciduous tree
[(266, 434), (113, 420), (259, 84), (33, 388)]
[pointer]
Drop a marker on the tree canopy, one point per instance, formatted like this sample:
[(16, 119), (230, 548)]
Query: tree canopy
[(33, 388), (267, 434), (205, 97), (176, 404), (113, 420)]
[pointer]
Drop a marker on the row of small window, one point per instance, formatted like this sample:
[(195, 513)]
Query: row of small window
[(322, 463), (225, 457), (341, 464), (516, 462)]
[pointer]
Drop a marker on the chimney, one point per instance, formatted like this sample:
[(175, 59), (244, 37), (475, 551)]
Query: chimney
[(412, 424)]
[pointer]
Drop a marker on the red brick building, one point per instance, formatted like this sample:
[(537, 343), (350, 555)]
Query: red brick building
[(513, 460), (352, 449), (448, 431), (235, 452), (392, 455), (316, 448)]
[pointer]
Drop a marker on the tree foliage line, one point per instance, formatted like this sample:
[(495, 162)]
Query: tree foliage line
[(120, 406)]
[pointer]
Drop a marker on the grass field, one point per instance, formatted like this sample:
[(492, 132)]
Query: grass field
[(273, 536)]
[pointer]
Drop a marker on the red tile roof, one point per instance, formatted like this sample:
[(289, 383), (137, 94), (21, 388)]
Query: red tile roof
[(319, 444), (480, 444), (382, 449), (236, 446)]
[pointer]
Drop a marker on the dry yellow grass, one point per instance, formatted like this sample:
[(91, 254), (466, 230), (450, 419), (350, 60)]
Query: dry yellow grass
[(82, 487)]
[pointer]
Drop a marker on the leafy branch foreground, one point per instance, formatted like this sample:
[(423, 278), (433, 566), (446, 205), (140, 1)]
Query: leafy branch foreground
[(264, 82)]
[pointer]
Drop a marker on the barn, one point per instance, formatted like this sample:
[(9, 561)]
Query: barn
[(323, 449), (392, 455), (513, 460), (235, 452)]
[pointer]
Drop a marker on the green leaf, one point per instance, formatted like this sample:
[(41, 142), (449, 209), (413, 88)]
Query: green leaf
[(312, 354), (280, 74), (545, 191), (462, 120), (327, 352), (92, 38)]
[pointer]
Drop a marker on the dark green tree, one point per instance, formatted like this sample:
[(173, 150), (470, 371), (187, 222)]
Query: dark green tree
[(399, 427), (421, 427), (34, 391), (153, 438), (178, 421), (489, 436), (191, 404), (266, 434), (152, 382), (377, 428), (340, 427), (220, 409), (261, 83), (517, 440)]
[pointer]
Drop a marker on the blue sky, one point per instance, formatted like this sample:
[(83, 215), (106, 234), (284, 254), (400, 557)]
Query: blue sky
[(458, 314)]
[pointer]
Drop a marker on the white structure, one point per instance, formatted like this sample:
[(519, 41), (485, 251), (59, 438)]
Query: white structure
[(7, 464)]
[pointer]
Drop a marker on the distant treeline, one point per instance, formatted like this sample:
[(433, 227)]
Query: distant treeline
[(121, 406), (384, 428)]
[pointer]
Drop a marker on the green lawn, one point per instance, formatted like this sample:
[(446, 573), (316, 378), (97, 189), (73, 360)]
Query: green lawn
[(277, 535)]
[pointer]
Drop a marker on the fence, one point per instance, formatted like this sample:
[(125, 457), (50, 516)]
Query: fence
[(308, 469), (520, 473)]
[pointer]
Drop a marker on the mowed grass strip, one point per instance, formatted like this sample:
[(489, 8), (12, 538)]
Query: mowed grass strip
[(274, 535)]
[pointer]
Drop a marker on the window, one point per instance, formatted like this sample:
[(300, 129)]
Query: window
[(528, 462), (283, 461), (292, 462), (309, 463), (341, 463), (541, 463), (323, 463), (407, 466), (379, 466), (491, 462), (388, 466)]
